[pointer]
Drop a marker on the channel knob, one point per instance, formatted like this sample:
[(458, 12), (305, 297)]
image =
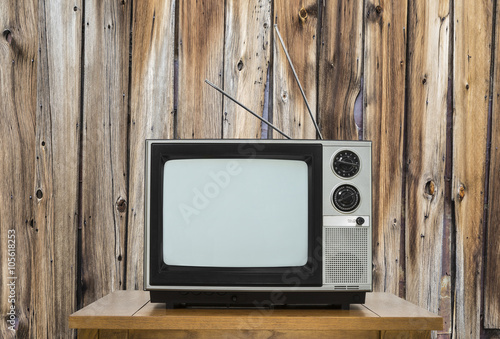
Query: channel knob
[(346, 198)]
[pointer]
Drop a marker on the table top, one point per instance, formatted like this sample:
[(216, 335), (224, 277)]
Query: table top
[(132, 310)]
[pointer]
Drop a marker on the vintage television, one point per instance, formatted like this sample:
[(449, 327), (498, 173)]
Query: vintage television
[(258, 222)]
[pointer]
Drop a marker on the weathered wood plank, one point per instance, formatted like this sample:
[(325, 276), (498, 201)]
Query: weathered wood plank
[(18, 86), (340, 68), (427, 75), (492, 269), (151, 111), (201, 48), (246, 61), (297, 23), (40, 109), (57, 162), (104, 142), (471, 75), (384, 95)]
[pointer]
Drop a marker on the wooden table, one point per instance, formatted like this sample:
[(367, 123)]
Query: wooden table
[(129, 314)]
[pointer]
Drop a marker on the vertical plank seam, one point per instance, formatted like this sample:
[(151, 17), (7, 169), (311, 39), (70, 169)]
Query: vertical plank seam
[(223, 71), (127, 182), (488, 166), (270, 68), (362, 76), (364, 102), (175, 133), (79, 290), (404, 162), (319, 38), (449, 154), (447, 241), (113, 207)]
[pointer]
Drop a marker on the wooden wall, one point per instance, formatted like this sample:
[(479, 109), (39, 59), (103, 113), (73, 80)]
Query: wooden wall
[(83, 83)]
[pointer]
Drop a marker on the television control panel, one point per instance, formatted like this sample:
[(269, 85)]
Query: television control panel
[(347, 211)]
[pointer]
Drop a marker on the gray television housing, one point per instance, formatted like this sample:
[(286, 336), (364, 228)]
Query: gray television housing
[(346, 251)]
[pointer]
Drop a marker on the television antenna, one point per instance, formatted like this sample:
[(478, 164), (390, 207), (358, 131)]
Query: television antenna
[(298, 83), (247, 109)]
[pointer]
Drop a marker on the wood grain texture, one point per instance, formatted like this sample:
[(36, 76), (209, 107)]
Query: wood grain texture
[(104, 143), (42, 58), (151, 111), (382, 311), (117, 303), (384, 95), (246, 60), (19, 60), (471, 76), (245, 334), (201, 49), (88, 334), (492, 269), (427, 79), (56, 162), (389, 305), (340, 68), (299, 36), (40, 79), (113, 334), (405, 335)]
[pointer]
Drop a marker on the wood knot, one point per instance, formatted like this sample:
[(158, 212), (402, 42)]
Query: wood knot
[(121, 205), (39, 194), (7, 34), (378, 9), (430, 188), (284, 96), (461, 192), (240, 65), (303, 14)]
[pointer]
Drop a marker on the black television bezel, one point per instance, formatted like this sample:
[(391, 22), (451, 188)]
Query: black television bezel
[(310, 274)]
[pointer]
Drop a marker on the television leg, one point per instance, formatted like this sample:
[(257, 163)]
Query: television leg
[(346, 307)]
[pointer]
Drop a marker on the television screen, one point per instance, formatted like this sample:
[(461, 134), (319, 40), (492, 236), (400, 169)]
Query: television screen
[(235, 212)]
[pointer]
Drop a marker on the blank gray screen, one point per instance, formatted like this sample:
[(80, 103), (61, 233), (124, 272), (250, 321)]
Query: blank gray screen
[(235, 212)]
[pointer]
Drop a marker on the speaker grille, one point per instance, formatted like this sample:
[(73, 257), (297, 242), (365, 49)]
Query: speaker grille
[(346, 255)]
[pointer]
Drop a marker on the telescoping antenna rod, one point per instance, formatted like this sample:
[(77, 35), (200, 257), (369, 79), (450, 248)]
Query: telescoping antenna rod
[(247, 109), (298, 82)]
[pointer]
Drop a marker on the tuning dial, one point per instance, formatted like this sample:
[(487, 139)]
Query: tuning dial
[(346, 164), (346, 198)]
